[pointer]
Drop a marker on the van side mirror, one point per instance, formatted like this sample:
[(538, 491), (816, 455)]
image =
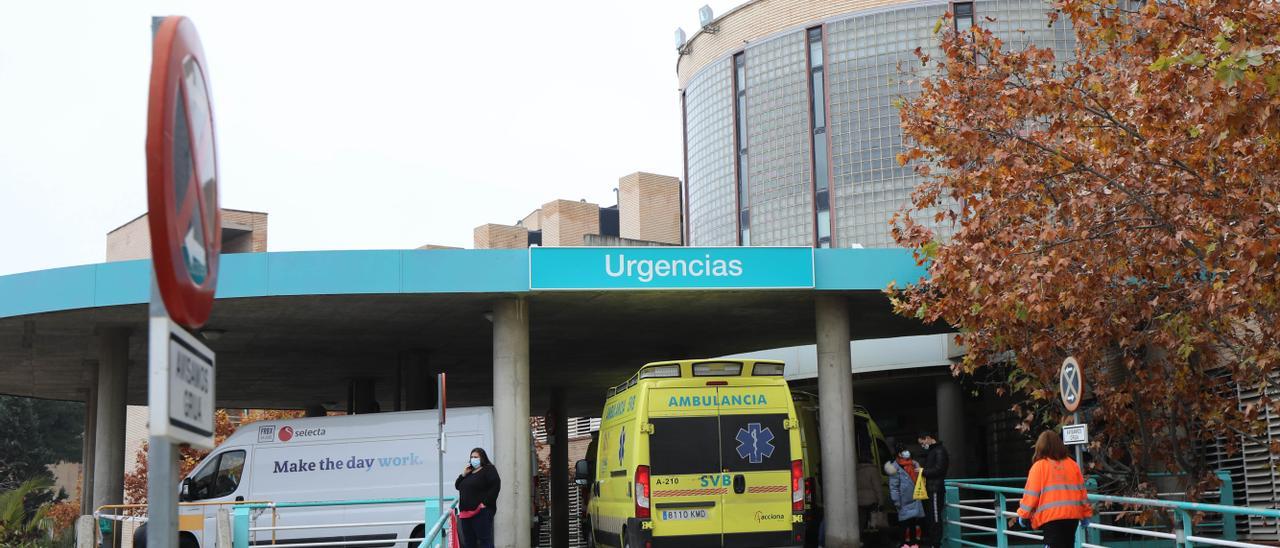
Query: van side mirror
[(582, 472), (184, 492)]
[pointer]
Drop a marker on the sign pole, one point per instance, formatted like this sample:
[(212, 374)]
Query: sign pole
[(162, 454), (1075, 419), (1071, 390), (440, 403), (185, 225)]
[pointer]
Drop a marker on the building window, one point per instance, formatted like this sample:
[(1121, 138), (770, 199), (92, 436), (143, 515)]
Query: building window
[(963, 12), (740, 137), (818, 136)]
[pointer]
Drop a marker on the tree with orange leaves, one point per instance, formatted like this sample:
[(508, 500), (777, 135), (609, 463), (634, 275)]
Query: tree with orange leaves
[(1121, 206), (135, 482)]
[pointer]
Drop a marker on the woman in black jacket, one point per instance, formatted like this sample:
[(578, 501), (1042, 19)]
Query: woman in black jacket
[(478, 488)]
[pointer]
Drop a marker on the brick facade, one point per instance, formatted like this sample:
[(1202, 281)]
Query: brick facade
[(566, 223), (242, 232), (131, 241), (495, 236), (649, 208), (253, 242), (532, 221)]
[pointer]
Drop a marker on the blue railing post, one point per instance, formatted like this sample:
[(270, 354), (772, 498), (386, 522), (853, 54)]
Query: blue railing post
[(1226, 497), (1093, 536), (952, 529), (431, 515), (1184, 525), (240, 527), (1002, 540)]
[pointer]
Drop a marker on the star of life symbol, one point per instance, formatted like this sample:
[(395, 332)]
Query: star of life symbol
[(754, 443)]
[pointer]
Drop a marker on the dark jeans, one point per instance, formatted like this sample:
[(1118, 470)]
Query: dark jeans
[(935, 516), (1060, 533), (477, 531)]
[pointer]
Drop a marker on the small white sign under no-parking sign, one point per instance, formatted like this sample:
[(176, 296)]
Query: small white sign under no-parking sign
[(1075, 434), (181, 367)]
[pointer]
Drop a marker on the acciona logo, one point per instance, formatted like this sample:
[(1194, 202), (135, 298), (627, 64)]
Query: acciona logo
[(647, 270)]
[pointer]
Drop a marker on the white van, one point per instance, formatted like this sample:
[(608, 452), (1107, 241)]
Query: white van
[(341, 458)]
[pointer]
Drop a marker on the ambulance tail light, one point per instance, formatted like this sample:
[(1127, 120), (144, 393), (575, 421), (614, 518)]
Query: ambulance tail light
[(810, 487), (797, 486), (642, 492)]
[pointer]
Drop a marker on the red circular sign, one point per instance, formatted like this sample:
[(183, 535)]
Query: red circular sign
[(286, 433), (182, 175)]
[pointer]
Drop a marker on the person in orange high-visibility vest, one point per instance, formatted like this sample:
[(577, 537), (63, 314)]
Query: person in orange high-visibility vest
[(1054, 498)]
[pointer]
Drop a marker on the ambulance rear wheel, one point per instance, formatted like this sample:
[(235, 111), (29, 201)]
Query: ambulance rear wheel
[(626, 542)]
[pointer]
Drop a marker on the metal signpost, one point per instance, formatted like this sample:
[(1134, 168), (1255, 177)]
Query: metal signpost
[(441, 394), (186, 239), (1071, 389)]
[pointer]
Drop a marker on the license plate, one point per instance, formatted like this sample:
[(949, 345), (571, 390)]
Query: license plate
[(680, 515)]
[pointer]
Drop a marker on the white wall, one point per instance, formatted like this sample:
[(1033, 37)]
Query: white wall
[(869, 355)]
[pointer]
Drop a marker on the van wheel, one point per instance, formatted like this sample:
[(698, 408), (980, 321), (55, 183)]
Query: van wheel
[(418, 532), (187, 540), (625, 542)]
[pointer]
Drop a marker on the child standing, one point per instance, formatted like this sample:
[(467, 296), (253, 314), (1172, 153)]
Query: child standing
[(902, 481)]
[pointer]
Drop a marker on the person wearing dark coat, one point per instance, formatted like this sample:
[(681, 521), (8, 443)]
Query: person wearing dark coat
[(936, 461), (478, 488)]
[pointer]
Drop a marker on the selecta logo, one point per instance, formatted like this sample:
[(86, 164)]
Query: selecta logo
[(287, 433)]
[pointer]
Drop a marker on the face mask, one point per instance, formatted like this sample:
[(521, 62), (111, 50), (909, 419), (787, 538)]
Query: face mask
[(475, 462), (905, 454)]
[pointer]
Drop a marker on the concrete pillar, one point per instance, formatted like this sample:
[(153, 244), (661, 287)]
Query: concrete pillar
[(951, 424), (87, 445), (86, 531), (558, 428), (835, 431), (511, 443), (108, 458)]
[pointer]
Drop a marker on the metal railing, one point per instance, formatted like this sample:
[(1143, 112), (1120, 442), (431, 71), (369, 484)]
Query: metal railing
[(118, 523), (244, 528), (971, 520)]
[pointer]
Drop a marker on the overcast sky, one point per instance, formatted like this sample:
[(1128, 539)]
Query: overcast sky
[(356, 125)]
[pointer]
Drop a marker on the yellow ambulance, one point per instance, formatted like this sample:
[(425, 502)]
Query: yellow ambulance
[(699, 453)]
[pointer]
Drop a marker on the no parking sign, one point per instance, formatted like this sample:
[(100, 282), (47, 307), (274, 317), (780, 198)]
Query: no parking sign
[(182, 175), (186, 234), (1071, 384)]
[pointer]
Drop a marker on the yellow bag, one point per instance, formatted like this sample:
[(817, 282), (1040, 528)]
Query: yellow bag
[(921, 493)]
